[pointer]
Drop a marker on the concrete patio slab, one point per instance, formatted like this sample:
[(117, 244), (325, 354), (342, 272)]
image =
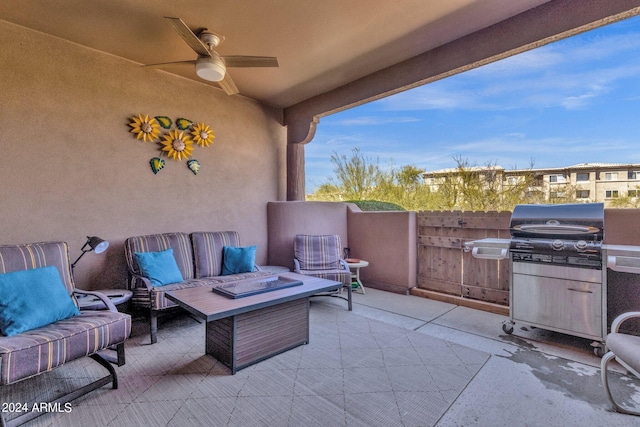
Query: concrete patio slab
[(396, 360)]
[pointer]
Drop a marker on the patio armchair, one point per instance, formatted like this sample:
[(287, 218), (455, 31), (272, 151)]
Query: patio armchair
[(42, 327), (319, 256), (625, 349)]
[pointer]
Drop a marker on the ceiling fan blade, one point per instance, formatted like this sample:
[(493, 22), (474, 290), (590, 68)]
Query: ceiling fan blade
[(228, 85), (166, 64), (250, 61), (188, 36)]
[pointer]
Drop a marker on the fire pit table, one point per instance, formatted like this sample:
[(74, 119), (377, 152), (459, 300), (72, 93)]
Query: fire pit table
[(243, 331)]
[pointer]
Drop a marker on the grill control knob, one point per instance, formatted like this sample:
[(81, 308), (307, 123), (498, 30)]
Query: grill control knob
[(557, 245), (581, 245)]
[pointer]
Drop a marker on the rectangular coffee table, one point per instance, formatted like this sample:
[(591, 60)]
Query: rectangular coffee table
[(244, 331)]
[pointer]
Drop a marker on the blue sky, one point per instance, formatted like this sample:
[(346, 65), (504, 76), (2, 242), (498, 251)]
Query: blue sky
[(573, 101)]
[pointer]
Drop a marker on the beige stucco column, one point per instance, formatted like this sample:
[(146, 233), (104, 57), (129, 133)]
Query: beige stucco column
[(299, 132)]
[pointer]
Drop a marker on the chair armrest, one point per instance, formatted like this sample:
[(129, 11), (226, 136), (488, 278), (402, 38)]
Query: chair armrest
[(296, 266), (144, 280), (344, 264), (615, 325), (105, 299)]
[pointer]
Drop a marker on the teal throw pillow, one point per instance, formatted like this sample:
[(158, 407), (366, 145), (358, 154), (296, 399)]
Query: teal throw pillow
[(33, 298), (160, 268), (238, 259)]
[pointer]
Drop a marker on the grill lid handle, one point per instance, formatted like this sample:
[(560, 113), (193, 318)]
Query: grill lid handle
[(483, 252), (555, 229)]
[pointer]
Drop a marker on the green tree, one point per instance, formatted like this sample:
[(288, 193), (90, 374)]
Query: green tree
[(467, 187), (627, 201), (487, 188), (357, 176)]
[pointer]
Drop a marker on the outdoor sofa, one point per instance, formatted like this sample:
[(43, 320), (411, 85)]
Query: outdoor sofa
[(201, 258), (42, 327)]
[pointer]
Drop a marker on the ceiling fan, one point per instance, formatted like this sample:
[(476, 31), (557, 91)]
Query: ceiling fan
[(210, 65)]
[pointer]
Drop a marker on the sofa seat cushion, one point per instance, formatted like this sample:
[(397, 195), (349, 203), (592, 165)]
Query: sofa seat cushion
[(157, 297), (43, 349), (159, 301), (238, 276)]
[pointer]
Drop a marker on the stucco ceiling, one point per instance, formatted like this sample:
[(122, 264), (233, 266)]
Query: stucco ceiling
[(321, 45)]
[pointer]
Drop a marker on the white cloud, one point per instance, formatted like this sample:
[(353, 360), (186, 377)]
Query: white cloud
[(495, 114), (570, 74)]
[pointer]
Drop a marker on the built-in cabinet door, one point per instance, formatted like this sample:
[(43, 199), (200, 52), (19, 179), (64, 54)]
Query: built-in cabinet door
[(568, 306)]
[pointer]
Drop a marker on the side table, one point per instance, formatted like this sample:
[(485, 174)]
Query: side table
[(355, 266), (91, 302)]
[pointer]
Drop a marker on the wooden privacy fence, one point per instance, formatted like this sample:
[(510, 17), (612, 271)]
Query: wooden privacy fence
[(443, 266)]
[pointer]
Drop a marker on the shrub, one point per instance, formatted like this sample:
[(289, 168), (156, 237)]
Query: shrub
[(376, 205)]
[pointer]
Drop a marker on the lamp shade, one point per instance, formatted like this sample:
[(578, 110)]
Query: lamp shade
[(97, 244), (211, 69)]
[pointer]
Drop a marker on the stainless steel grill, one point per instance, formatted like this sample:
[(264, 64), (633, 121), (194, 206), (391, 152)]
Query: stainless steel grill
[(557, 278), (567, 235)]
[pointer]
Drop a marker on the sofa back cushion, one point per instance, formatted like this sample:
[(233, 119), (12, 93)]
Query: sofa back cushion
[(179, 242), (208, 251), (36, 255)]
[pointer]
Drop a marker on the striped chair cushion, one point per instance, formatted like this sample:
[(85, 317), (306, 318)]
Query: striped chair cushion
[(179, 242), (207, 251), (337, 275), (36, 255), (317, 252), (43, 349)]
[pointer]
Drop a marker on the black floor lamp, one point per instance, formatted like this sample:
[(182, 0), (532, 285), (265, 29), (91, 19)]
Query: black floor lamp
[(93, 243)]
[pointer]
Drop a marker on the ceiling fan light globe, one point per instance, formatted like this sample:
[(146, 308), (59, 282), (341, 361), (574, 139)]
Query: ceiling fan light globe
[(211, 69)]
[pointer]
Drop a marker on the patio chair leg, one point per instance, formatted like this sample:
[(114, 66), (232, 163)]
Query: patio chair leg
[(349, 293), (606, 359), (104, 362), (154, 326), (120, 354)]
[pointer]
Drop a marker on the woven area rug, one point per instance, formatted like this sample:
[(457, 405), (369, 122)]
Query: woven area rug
[(354, 372)]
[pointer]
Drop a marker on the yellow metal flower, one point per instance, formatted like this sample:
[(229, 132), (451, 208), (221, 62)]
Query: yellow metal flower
[(177, 145), (145, 128), (202, 135)]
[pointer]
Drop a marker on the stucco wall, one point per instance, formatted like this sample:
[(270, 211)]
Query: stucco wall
[(286, 219), (70, 168), (388, 241)]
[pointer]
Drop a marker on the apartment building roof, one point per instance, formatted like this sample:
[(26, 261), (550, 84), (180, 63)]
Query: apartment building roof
[(579, 166)]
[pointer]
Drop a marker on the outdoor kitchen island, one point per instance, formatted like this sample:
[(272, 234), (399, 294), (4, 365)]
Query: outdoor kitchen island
[(243, 331)]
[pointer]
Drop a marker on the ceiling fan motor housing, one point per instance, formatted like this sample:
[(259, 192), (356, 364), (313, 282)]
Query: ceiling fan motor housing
[(210, 39)]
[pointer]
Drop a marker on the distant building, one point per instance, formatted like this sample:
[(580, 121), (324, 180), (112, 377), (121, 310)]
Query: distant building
[(588, 182)]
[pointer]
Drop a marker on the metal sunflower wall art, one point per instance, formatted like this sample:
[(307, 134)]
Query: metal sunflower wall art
[(202, 135), (145, 128), (177, 144)]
